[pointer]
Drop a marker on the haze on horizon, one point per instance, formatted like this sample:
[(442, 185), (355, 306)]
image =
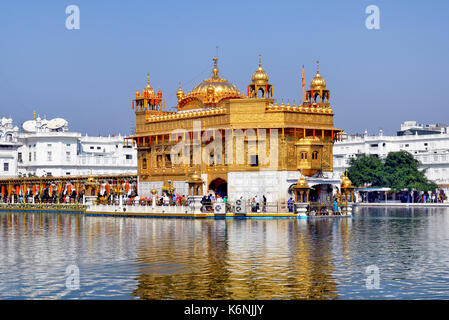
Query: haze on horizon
[(378, 78)]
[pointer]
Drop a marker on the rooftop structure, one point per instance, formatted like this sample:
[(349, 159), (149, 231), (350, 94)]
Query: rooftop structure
[(48, 148), (413, 128)]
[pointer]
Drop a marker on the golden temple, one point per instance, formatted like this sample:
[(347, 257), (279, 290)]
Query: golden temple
[(226, 137)]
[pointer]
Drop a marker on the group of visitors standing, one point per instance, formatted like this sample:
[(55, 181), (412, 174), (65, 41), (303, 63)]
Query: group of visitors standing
[(166, 200), (208, 200), (255, 204), (432, 198)]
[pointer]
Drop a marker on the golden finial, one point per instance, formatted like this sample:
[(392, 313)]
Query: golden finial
[(148, 78), (260, 60), (34, 115), (215, 69), (317, 66)]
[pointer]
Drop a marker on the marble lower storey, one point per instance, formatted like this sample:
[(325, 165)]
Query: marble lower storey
[(275, 185)]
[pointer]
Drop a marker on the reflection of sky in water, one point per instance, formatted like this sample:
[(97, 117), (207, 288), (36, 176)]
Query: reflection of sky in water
[(122, 258)]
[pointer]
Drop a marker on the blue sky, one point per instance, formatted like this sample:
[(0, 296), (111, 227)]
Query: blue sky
[(377, 78)]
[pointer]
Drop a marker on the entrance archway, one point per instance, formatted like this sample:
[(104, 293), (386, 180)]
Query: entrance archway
[(219, 186), (321, 193)]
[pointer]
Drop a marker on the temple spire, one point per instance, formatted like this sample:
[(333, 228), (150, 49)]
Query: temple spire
[(215, 69)]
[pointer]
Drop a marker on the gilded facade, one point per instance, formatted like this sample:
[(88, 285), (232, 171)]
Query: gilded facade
[(239, 144)]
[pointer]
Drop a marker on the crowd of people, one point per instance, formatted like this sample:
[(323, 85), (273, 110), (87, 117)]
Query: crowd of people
[(430, 198), (165, 200), (45, 198)]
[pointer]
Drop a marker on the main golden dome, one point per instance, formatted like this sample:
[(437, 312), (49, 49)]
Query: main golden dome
[(318, 82), (213, 90)]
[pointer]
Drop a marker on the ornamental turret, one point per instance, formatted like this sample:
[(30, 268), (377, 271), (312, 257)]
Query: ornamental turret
[(318, 93), (148, 100), (259, 87)]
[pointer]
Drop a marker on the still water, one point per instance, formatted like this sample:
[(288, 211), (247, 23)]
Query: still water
[(132, 258)]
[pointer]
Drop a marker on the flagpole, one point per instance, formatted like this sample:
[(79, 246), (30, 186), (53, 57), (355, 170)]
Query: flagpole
[(303, 86)]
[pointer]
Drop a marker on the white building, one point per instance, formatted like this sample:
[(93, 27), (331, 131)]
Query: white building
[(428, 144), (47, 148), (8, 148)]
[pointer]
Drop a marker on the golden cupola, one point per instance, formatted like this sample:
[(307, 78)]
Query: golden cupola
[(179, 93), (345, 182), (318, 94), (148, 92), (210, 92), (259, 87), (318, 82), (260, 77), (148, 101)]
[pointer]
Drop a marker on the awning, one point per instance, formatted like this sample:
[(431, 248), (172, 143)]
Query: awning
[(373, 189)]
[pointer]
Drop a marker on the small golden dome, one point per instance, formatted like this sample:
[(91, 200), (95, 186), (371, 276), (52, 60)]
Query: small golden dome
[(260, 77), (302, 182), (148, 90), (179, 93), (318, 82), (195, 176), (345, 183)]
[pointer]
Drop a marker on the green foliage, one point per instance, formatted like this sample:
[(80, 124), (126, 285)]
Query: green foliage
[(366, 169), (398, 171)]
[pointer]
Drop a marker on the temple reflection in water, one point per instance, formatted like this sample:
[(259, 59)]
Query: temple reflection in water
[(175, 259), (225, 259), (254, 259)]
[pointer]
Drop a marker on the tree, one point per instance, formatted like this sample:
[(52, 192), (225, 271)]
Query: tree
[(366, 170), (398, 171), (401, 171)]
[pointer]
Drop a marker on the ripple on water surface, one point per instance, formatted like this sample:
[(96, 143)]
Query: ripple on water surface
[(127, 258)]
